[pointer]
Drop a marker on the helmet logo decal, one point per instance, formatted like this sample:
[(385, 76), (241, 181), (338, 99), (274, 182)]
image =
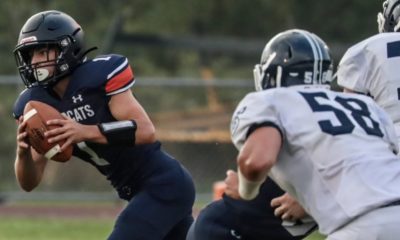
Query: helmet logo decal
[(28, 39)]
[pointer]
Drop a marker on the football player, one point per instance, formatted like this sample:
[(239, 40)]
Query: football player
[(106, 125), (296, 57), (335, 153), (371, 66)]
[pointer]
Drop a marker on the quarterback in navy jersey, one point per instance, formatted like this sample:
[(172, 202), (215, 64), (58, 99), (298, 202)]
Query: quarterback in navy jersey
[(106, 125)]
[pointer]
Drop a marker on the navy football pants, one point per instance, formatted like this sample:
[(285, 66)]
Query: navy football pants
[(229, 219), (161, 211)]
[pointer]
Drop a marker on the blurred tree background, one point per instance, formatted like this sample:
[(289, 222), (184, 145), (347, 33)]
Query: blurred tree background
[(338, 22), (185, 39)]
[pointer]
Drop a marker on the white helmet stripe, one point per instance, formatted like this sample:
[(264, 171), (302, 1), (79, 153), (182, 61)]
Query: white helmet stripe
[(316, 52), (321, 57)]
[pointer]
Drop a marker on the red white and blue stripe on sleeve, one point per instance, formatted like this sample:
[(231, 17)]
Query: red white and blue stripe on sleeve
[(120, 80)]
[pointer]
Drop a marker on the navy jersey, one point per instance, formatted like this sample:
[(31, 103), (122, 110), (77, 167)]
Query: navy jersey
[(86, 101)]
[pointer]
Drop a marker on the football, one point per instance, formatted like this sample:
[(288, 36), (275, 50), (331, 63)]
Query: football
[(35, 115)]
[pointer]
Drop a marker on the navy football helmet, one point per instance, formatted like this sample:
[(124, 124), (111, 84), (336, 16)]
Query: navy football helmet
[(294, 57), (389, 18), (49, 29)]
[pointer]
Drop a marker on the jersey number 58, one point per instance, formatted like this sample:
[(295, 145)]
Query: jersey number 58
[(359, 112)]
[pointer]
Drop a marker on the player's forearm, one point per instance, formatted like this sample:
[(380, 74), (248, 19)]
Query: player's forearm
[(93, 134), (28, 171), (259, 153), (145, 133), (253, 164)]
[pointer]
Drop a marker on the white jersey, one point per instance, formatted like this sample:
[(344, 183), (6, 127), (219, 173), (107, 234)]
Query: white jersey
[(338, 156), (373, 67)]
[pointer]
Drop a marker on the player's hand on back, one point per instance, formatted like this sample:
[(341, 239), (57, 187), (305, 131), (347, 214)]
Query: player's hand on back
[(287, 208), (232, 184)]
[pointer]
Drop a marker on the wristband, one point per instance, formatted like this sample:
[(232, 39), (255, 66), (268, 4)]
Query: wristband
[(119, 132), (248, 190)]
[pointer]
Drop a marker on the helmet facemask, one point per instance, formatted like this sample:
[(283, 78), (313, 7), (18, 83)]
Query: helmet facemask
[(35, 74), (389, 18), (264, 79), (55, 30)]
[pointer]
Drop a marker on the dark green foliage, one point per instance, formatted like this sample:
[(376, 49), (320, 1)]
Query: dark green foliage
[(335, 21)]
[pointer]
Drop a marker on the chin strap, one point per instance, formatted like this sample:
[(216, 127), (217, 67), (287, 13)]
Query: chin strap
[(89, 50)]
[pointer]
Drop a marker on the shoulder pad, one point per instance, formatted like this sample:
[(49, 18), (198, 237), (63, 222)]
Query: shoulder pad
[(111, 72), (34, 93)]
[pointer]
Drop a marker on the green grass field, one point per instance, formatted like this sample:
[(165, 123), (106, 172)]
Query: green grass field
[(63, 221), (315, 236), (63, 229), (54, 229)]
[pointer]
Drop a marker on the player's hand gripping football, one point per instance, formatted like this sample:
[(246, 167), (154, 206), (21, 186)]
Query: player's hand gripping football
[(68, 130), (287, 208), (232, 184)]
